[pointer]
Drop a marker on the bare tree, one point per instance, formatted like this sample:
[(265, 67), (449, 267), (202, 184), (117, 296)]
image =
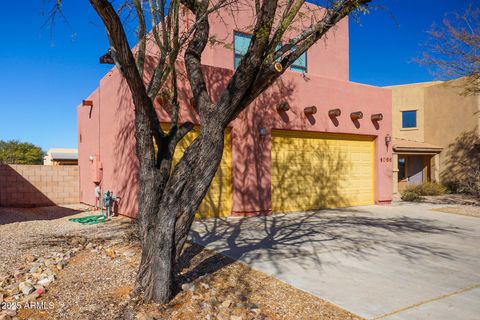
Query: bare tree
[(170, 197), (454, 48)]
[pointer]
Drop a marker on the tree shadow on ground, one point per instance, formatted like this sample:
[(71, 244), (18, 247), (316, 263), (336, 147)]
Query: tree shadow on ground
[(304, 236)]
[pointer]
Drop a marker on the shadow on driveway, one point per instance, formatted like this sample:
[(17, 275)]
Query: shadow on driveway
[(304, 236)]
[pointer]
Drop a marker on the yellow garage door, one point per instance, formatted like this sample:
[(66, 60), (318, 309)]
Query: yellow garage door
[(218, 200), (316, 170)]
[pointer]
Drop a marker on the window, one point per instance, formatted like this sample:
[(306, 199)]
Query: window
[(301, 64), (241, 42), (409, 119), (402, 166)]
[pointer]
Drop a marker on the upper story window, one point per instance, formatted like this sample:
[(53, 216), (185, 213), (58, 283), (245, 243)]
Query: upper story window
[(240, 46), (409, 119), (301, 64)]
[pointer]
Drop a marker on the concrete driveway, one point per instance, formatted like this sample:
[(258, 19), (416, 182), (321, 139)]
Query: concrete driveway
[(403, 261)]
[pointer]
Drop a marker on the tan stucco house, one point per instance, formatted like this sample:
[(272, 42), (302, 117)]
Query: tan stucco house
[(431, 120), (61, 157)]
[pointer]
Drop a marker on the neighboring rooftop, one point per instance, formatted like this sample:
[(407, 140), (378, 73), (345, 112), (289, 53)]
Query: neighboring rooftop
[(61, 156)]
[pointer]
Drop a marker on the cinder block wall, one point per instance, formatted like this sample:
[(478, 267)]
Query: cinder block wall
[(37, 185)]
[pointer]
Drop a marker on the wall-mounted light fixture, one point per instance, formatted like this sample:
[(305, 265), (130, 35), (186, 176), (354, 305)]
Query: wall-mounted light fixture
[(388, 139), (333, 113), (91, 158), (87, 103), (262, 131), (283, 107), (310, 110), (356, 115), (377, 117)]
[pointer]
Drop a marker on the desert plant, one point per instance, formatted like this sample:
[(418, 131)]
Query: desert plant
[(412, 196), (430, 189)]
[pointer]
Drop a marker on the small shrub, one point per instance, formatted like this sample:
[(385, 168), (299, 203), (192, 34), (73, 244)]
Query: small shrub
[(410, 196), (430, 189), (427, 189)]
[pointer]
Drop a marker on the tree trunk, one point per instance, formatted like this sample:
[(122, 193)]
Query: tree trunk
[(165, 227)]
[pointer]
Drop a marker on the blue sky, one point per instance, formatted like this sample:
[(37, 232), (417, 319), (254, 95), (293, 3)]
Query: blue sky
[(46, 72)]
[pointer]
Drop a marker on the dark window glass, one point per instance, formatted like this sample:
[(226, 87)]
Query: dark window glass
[(409, 119), (401, 169)]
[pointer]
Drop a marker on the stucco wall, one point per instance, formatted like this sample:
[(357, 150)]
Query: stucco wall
[(327, 58), (107, 129), (251, 158), (449, 115), (37, 185), (409, 97)]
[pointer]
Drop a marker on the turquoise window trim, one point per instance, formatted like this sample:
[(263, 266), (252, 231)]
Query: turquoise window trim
[(241, 42)]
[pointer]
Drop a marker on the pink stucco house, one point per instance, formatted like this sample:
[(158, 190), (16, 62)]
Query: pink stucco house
[(313, 140)]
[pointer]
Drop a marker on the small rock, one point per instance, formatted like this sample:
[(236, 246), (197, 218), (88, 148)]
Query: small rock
[(18, 274), (37, 276), (205, 286), (46, 281), (35, 269), (4, 316), (48, 262), (129, 253), (111, 253), (39, 287), (188, 287), (32, 296), (12, 289), (30, 258), (143, 316), (236, 318), (227, 303), (26, 287), (61, 265), (90, 245), (11, 312)]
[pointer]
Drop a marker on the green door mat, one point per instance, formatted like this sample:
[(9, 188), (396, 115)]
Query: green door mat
[(90, 219)]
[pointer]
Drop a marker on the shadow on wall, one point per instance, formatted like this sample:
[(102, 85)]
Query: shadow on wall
[(17, 191), (253, 149), (12, 215), (125, 170), (311, 179), (304, 236), (462, 170)]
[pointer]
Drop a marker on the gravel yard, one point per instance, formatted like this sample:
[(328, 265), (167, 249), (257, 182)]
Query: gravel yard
[(94, 267)]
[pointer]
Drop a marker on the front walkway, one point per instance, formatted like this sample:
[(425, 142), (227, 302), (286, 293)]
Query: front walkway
[(381, 262)]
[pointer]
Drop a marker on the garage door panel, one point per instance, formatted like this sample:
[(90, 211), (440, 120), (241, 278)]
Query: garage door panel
[(311, 170)]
